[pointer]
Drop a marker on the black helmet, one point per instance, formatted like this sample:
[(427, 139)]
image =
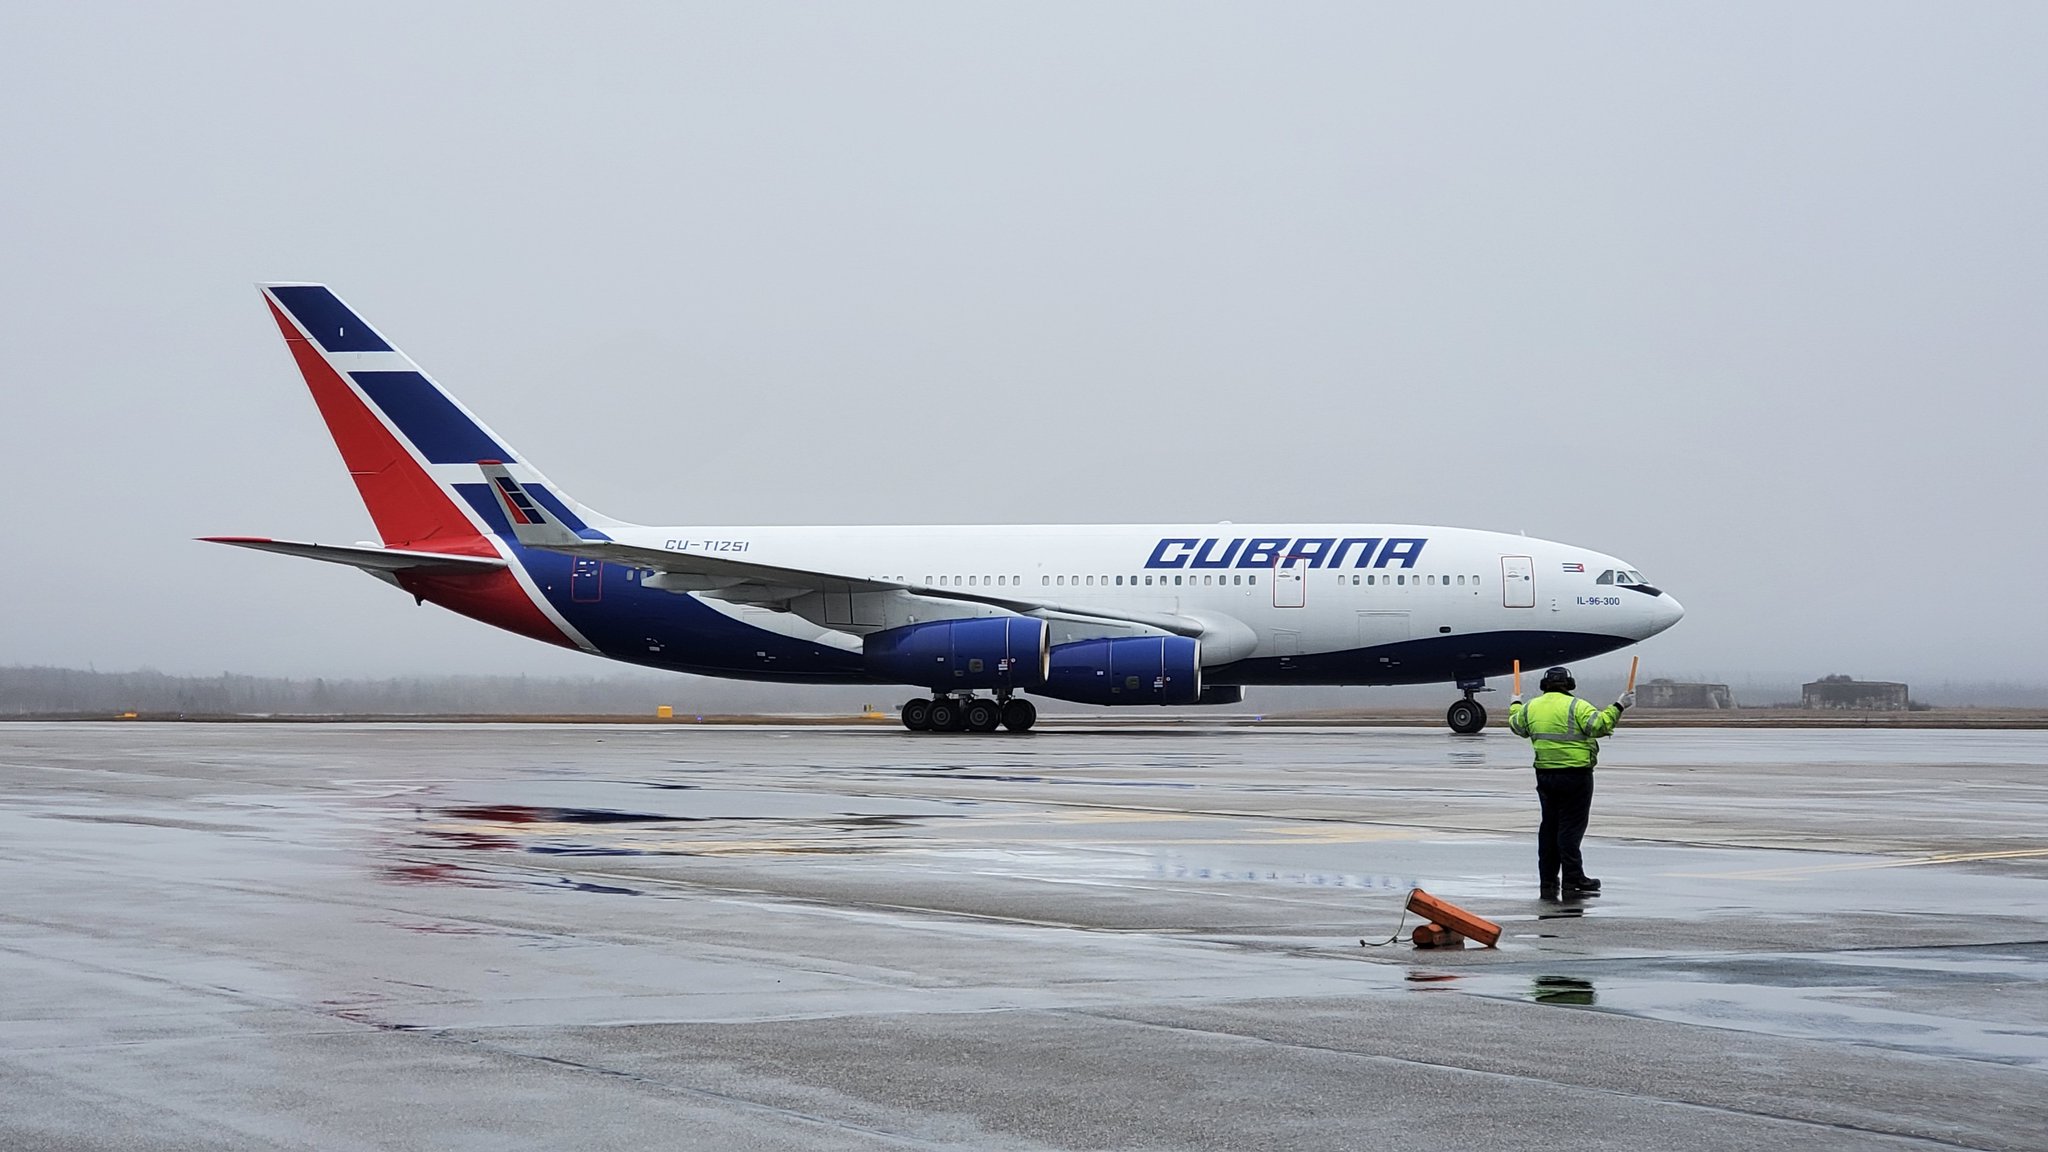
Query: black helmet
[(1558, 680)]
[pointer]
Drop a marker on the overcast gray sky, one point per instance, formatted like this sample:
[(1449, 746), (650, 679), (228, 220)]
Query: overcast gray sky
[(1752, 296)]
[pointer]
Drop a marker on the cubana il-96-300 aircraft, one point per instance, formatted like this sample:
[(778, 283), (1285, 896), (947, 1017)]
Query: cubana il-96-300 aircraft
[(980, 616)]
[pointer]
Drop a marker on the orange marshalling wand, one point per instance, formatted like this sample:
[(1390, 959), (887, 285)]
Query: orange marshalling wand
[(1518, 677), (1632, 662)]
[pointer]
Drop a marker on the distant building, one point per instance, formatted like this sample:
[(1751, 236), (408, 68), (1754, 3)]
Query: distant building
[(1854, 695), (1673, 694)]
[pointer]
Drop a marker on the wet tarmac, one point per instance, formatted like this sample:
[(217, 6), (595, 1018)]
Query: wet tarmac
[(433, 937)]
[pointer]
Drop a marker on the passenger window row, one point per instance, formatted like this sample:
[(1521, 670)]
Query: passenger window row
[(1404, 578), (1369, 579), (1231, 578)]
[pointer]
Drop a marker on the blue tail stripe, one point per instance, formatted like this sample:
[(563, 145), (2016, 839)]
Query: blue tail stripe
[(428, 418), (328, 320)]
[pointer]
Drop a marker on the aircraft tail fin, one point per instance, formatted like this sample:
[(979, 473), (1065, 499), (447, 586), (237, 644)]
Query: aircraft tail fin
[(411, 448)]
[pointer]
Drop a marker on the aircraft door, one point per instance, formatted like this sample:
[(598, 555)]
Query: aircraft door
[(1290, 582), (1518, 581), (586, 580)]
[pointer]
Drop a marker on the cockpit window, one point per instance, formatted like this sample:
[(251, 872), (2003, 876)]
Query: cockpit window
[(1606, 577), (1634, 581)]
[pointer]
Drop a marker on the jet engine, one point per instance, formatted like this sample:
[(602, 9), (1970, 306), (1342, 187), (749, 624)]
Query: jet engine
[(993, 652), (1127, 670)]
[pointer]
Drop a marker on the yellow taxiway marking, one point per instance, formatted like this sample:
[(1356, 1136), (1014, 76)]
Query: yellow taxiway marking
[(1862, 865)]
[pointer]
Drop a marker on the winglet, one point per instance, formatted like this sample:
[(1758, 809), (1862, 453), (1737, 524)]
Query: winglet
[(530, 521)]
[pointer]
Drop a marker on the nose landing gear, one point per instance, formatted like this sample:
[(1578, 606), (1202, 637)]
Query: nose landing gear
[(1468, 716)]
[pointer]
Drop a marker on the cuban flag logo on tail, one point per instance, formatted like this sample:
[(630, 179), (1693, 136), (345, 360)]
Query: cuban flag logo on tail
[(530, 511), (518, 505), (1575, 567)]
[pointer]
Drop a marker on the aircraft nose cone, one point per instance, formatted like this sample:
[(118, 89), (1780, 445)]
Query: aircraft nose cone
[(1668, 611)]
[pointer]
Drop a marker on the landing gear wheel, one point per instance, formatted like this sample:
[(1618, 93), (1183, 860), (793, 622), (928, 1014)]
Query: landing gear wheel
[(946, 716), (917, 715), (982, 716), (1020, 715), (1466, 717)]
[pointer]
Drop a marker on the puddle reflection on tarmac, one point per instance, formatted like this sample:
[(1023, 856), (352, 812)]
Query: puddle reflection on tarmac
[(1879, 1000), (1562, 990)]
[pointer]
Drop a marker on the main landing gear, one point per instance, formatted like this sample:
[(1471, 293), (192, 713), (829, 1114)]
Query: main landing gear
[(966, 712), (1468, 716)]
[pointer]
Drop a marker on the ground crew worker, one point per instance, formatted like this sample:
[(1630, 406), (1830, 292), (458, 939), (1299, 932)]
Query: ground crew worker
[(1565, 731)]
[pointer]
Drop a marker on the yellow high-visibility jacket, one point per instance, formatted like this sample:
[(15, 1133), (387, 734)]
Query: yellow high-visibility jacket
[(1565, 729)]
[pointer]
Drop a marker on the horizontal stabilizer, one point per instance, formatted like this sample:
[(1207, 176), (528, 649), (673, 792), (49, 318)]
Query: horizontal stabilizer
[(366, 558)]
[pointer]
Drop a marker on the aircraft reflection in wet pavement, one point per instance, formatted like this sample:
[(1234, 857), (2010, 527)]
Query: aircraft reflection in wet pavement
[(1101, 614)]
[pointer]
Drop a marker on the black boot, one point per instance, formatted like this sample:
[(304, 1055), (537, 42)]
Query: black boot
[(1582, 884)]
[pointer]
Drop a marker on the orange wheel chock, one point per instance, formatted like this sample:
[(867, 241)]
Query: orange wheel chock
[(1435, 936), (1449, 917)]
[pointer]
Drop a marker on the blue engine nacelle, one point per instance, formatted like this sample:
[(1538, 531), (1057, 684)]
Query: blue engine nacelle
[(998, 652), (1127, 670)]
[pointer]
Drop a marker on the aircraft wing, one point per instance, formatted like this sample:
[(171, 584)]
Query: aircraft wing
[(729, 578)]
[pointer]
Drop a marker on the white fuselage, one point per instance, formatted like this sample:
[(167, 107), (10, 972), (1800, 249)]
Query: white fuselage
[(1308, 596)]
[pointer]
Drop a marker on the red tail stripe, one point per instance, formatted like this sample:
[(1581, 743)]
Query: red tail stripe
[(409, 508)]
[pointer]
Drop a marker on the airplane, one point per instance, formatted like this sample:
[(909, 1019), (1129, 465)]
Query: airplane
[(981, 617)]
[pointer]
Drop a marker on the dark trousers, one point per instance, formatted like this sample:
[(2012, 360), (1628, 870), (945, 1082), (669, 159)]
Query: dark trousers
[(1567, 798)]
